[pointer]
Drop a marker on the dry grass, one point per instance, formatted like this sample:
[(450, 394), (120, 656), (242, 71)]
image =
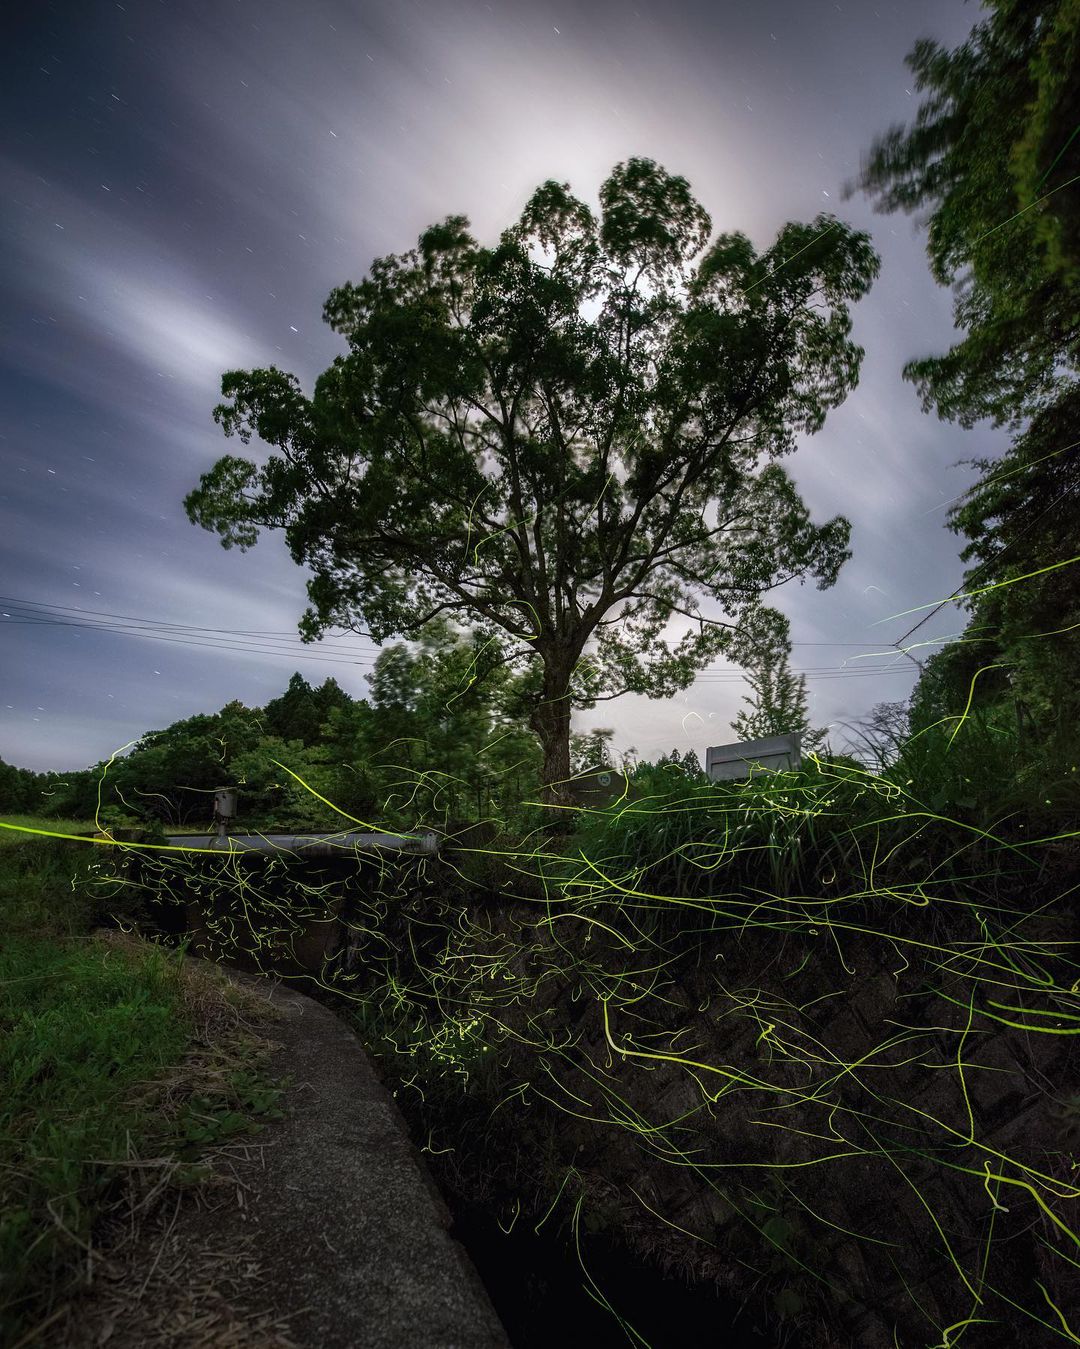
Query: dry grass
[(146, 1282), (162, 1286)]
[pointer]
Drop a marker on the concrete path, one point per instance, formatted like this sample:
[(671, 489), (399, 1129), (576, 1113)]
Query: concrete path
[(323, 1231), (352, 1235)]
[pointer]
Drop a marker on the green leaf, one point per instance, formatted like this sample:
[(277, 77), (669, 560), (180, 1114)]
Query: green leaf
[(788, 1303)]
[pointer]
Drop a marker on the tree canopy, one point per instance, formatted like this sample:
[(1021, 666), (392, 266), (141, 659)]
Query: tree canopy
[(569, 439), (301, 711), (777, 701), (993, 158)]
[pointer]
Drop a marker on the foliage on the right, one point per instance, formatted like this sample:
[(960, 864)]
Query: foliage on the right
[(992, 160)]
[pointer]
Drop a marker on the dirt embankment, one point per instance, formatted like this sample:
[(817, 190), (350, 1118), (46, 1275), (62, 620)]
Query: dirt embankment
[(834, 1118)]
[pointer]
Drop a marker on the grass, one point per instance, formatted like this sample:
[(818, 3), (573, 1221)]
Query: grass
[(121, 1066), (792, 1009), (83, 1028)]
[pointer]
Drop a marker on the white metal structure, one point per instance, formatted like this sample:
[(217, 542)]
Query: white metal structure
[(777, 753)]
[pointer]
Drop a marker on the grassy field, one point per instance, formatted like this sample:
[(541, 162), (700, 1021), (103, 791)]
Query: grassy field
[(120, 1065), (829, 1013)]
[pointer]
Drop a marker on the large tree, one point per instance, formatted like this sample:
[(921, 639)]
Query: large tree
[(993, 160), (569, 439)]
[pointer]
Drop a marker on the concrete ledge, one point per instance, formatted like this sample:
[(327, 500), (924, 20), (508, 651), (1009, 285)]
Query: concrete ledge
[(353, 1235)]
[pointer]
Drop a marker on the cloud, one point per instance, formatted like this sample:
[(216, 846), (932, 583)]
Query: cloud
[(114, 291), (191, 213)]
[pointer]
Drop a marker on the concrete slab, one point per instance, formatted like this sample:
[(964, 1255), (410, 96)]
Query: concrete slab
[(353, 1235)]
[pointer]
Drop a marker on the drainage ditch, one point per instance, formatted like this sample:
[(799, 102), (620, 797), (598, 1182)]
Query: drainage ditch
[(539, 1290)]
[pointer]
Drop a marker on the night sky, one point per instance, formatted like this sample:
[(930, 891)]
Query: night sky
[(184, 183)]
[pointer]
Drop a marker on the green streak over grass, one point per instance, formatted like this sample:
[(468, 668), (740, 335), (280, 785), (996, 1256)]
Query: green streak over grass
[(9, 838), (39, 882)]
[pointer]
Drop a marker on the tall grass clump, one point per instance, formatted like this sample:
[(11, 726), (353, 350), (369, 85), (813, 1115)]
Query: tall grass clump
[(84, 1028), (41, 889), (982, 767), (106, 1044)]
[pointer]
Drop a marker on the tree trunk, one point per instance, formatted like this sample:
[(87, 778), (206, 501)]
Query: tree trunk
[(550, 719)]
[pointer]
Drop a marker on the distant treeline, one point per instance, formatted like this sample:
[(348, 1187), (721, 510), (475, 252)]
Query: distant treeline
[(433, 740), (442, 739), (425, 736)]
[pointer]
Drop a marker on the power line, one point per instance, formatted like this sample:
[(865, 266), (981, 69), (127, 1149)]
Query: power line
[(265, 646), (149, 622), (825, 673), (247, 650), (141, 626), (958, 593)]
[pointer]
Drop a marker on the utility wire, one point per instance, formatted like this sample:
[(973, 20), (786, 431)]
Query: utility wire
[(710, 674), (268, 641), (12, 602), (959, 592)]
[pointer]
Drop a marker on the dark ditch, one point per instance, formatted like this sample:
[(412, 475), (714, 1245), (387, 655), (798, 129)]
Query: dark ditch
[(538, 1289), (536, 1281)]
